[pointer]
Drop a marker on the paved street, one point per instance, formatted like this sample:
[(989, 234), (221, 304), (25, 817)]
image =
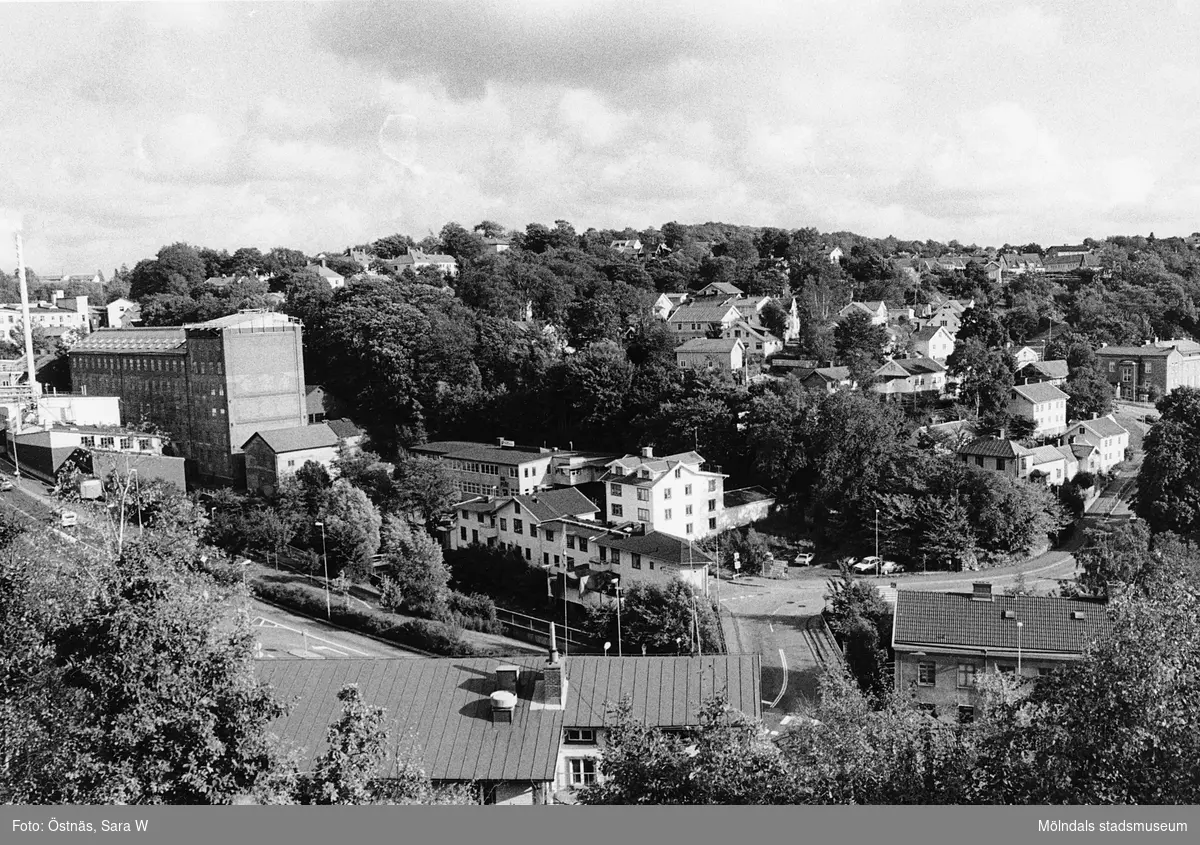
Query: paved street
[(281, 635)]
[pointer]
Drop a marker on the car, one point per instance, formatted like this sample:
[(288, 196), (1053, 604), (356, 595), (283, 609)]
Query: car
[(866, 566), (5, 486), (803, 559), (890, 567)]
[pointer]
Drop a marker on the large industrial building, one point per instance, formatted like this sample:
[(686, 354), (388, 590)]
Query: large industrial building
[(209, 385)]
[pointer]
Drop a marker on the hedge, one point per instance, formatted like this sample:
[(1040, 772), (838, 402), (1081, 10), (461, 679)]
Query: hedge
[(423, 634)]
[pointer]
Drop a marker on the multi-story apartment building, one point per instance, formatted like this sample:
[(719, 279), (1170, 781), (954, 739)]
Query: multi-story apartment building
[(506, 469), (674, 495), (1042, 402), (1142, 372), (60, 312), (209, 385), (945, 641)]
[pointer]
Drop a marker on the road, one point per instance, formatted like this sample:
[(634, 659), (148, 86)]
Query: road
[(281, 635)]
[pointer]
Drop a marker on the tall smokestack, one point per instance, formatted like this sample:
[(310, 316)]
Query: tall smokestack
[(33, 385), (553, 645)]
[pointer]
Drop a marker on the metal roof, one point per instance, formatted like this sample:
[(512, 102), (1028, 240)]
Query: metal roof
[(296, 438), (1039, 392), (655, 544), (991, 447), (133, 340)]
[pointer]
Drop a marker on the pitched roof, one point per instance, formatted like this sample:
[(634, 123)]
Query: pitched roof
[(831, 373), (926, 334), (921, 366), (344, 428), (323, 271), (546, 505), (1039, 392), (722, 345), (744, 496), (1045, 369), (655, 544), (465, 450), (930, 619), (1104, 426), (441, 710), (133, 340), (1045, 454), (296, 438), (718, 288), (1134, 352), (992, 447), (247, 319), (699, 312), (891, 369)]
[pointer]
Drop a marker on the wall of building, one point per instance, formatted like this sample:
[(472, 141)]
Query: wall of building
[(149, 467), (945, 694), (743, 515)]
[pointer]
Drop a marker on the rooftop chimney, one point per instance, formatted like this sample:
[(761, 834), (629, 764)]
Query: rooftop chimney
[(554, 686), (982, 591), (647, 451), (506, 678)]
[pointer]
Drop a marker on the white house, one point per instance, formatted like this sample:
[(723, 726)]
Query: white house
[(724, 354), (876, 310), (674, 495), (336, 280), (666, 304), (933, 342), (1108, 437), (1044, 403)]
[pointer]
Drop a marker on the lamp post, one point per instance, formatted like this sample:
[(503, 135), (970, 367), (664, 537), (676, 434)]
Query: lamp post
[(607, 646), (617, 586), (325, 559), (137, 492), (878, 562), (1020, 625)]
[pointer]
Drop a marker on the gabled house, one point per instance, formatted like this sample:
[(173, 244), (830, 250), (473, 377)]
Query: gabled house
[(336, 280), (517, 521), (759, 341), (724, 354), (876, 310), (910, 376), (721, 289), (631, 248), (416, 259), (275, 454), (1157, 368), (699, 318), (494, 469), (944, 642), (497, 245), (1025, 355), (933, 342), (526, 729), (666, 304), (674, 495), (828, 379), (834, 255), (121, 313), (1045, 404), (1046, 372), (1107, 437)]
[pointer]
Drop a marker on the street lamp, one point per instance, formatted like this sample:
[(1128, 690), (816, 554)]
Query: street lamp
[(325, 558), (137, 492), (607, 646), (1020, 625), (877, 540), (617, 587)]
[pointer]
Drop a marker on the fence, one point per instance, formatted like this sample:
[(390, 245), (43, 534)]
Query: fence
[(531, 629)]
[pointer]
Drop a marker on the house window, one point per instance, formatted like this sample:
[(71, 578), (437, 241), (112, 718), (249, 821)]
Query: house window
[(580, 736), (978, 461), (687, 510), (503, 524), (603, 552), (687, 529), (966, 675), (462, 532), (583, 771), (687, 489), (926, 674), (570, 563), (1112, 366), (291, 464), (1147, 366), (528, 555), (1000, 464), (614, 489), (570, 541), (549, 535), (533, 531), (667, 513), (518, 527), (678, 473), (479, 516), (546, 558), (616, 557), (144, 444), (712, 485), (636, 561), (667, 493), (106, 442), (712, 504), (643, 495), (583, 544), (126, 442), (87, 441), (617, 510), (643, 515), (712, 524), (966, 713)]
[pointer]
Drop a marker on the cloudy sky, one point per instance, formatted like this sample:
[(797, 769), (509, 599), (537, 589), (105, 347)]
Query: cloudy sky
[(127, 126)]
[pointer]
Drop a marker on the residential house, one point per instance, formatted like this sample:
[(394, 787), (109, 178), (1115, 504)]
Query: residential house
[(416, 259), (1043, 403), (42, 451), (1107, 437), (519, 730), (1046, 372), (526, 522), (674, 495), (629, 248), (1052, 464), (60, 312), (314, 403), (121, 313), (827, 379), (348, 434), (760, 343), (666, 304), (500, 469), (834, 255), (875, 310), (933, 342), (274, 454), (910, 376), (944, 642), (1067, 250), (1142, 373), (497, 245), (726, 354), (719, 289), (336, 280), (1018, 264), (1025, 355), (700, 318)]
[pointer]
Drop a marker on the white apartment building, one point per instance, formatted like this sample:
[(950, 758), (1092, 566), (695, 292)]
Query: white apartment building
[(674, 495)]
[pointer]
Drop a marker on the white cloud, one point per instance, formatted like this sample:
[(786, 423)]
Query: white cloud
[(189, 146)]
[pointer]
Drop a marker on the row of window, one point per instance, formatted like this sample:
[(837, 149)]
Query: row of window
[(89, 442), (965, 676), (155, 364)]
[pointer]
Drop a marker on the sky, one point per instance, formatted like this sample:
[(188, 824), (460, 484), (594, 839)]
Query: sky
[(127, 126)]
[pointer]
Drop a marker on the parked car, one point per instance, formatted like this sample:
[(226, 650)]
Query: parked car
[(802, 559), (867, 566), (5, 486), (890, 567)]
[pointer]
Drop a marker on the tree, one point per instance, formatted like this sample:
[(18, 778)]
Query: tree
[(1088, 394), (661, 617), (349, 769), (862, 620), (774, 318), (946, 535), (415, 564), (424, 487), (860, 344), (351, 530), (463, 245), (489, 229), (985, 377), (983, 325), (1168, 487), (728, 760), (1120, 555)]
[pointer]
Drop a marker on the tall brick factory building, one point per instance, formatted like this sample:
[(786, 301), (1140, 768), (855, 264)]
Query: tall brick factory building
[(209, 385)]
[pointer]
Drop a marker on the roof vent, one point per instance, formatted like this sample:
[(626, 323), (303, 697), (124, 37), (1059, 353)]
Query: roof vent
[(1010, 614), (506, 678), (1078, 614), (982, 591), (503, 705)]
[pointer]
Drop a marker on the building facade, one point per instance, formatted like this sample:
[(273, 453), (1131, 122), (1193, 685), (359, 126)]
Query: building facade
[(275, 454), (674, 495), (210, 385), (1141, 373), (1043, 403)]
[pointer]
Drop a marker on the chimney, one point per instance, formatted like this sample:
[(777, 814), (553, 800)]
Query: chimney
[(982, 591), (506, 678), (1003, 433), (503, 705), (554, 687), (647, 451), (81, 305)]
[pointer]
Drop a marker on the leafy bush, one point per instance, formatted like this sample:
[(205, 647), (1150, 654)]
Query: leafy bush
[(475, 604), (422, 634), (1084, 480)]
